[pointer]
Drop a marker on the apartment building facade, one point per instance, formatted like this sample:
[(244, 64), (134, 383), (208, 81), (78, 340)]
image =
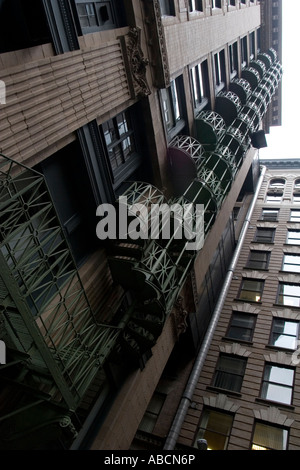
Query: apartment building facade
[(246, 396), (155, 101)]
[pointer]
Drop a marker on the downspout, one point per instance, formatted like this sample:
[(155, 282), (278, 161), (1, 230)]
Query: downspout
[(187, 396)]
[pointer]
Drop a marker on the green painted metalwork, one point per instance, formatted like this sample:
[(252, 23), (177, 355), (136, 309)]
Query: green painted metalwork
[(44, 305), (209, 128)]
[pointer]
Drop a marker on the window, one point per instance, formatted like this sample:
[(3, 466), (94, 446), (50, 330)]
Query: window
[(297, 184), (270, 214), (200, 85), (167, 7), (233, 59), (216, 3), (251, 290), (297, 191), (95, 16), (23, 24), (196, 5), (277, 384), (229, 373), (241, 326), (76, 209), (258, 260), (121, 147), (284, 333), (252, 45), (151, 415), (274, 196), (220, 70), (215, 428), (268, 437), (296, 197), (291, 263), (277, 183), (264, 235), (173, 108), (293, 237), (244, 51), (295, 216), (288, 294), (236, 211)]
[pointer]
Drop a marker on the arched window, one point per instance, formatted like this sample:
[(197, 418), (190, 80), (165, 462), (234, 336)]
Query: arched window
[(277, 183), (297, 184)]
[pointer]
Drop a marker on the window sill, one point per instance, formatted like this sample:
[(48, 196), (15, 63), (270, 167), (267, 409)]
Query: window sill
[(278, 348), (288, 272), (286, 306), (264, 401), (236, 340), (268, 220), (263, 242), (248, 301), (224, 391), (292, 244), (255, 269)]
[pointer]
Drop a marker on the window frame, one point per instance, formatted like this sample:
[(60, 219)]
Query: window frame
[(267, 383), (167, 7), (199, 82), (244, 51), (233, 59), (195, 6), (133, 160), (174, 104), (251, 259), (259, 291), (236, 317), (270, 210), (277, 183), (279, 294), (273, 196), (272, 340), (219, 69), (205, 429), (288, 238), (257, 237), (293, 217), (152, 412), (268, 425), (112, 16), (234, 377), (285, 263)]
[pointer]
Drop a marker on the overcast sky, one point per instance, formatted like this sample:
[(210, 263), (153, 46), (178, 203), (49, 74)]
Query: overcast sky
[(282, 140)]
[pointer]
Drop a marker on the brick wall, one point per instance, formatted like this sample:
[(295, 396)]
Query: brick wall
[(49, 97), (249, 406)]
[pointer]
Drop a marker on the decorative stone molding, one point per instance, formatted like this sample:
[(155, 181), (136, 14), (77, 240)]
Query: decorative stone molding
[(279, 357), (255, 275), (221, 402), (262, 247), (273, 415), (136, 63), (246, 308), (157, 43), (266, 224), (293, 278), (235, 349), (180, 316), (286, 313)]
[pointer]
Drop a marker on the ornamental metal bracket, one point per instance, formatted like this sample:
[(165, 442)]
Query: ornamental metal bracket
[(136, 63)]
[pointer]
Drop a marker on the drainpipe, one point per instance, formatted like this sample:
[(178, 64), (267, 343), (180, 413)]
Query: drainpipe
[(187, 396)]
